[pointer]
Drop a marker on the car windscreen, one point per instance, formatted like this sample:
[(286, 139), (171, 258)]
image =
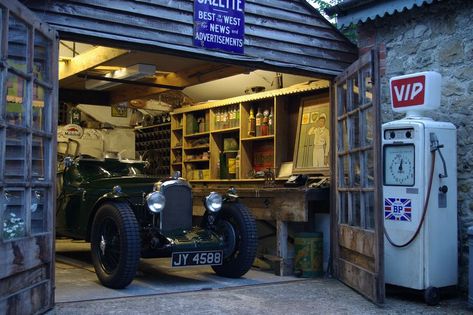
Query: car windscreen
[(106, 169)]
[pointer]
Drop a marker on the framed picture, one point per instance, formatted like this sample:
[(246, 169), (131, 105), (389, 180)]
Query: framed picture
[(119, 110), (312, 147)]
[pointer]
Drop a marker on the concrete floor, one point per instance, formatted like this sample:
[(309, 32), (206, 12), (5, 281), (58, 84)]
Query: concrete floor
[(76, 279), (158, 289)]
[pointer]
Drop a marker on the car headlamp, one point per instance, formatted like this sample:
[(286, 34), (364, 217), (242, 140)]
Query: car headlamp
[(213, 202), (155, 201)]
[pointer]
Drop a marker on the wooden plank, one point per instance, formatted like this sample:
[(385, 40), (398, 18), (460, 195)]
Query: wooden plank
[(275, 204), (362, 261), (17, 282), (23, 254), (285, 265), (358, 278), (32, 300), (90, 59), (357, 239)]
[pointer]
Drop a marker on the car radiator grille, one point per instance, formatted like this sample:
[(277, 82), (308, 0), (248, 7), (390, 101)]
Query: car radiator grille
[(177, 213)]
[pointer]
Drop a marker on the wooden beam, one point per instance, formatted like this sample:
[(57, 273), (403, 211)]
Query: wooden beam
[(188, 77), (88, 60)]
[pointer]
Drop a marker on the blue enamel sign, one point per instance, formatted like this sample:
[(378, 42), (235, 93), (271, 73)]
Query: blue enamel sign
[(219, 24)]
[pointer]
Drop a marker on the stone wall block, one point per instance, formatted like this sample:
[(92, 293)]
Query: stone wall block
[(452, 87), (420, 30), (451, 52)]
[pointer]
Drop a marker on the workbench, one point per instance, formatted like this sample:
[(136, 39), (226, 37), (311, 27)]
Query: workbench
[(279, 204)]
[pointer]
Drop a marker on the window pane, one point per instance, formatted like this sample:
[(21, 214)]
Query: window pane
[(355, 90), (15, 111), (17, 43), (342, 99), (355, 159), (356, 210), (369, 210), (38, 211), (15, 155), (356, 130), (368, 125), (14, 217), (42, 52), (39, 108), (367, 95), (369, 166), (39, 159), (343, 208)]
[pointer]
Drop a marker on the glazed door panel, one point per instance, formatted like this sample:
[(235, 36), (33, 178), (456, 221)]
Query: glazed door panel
[(358, 229), (28, 116)]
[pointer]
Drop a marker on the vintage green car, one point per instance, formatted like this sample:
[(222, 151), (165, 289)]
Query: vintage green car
[(127, 215)]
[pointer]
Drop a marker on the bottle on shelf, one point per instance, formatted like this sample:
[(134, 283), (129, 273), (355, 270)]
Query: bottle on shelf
[(259, 120), (232, 117), (251, 123), (226, 118), (265, 123), (237, 116), (217, 119)]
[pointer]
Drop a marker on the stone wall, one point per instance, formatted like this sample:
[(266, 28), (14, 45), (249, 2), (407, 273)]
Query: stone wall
[(436, 37)]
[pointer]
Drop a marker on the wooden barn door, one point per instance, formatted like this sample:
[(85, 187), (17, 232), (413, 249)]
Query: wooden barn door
[(358, 226), (28, 120)]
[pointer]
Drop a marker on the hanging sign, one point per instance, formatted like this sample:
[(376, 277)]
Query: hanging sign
[(219, 24)]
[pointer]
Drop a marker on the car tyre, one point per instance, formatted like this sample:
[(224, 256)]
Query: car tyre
[(238, 228), (115, 244)]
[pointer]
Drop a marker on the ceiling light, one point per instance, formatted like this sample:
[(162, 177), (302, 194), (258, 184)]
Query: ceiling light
[(135, 72)]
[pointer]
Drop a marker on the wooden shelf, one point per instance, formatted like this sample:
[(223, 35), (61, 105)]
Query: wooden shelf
[(199, 134), (227, 130), (197, 161), (270, 137), (198, 147)]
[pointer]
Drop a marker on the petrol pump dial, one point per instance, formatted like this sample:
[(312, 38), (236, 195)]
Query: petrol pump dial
[(399, 165)]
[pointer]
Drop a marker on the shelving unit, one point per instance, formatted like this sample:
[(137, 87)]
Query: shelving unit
[(177, 123), (201, 135), (153, 143)]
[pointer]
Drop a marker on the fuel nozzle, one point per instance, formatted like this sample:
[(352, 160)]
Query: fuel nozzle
[(436, 146), (434, 143)]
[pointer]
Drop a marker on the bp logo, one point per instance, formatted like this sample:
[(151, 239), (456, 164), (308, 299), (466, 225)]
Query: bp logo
[(398, 209)]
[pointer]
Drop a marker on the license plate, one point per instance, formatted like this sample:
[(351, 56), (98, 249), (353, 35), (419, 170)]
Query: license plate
[(181, 259)]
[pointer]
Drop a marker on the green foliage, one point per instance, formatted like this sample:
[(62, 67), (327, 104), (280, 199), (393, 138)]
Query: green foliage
[(349, 32)]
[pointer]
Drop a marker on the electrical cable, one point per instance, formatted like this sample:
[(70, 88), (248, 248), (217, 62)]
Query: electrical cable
[(426, 203)]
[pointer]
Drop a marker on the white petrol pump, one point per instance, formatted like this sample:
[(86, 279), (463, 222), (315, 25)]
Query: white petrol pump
[(419, 190)]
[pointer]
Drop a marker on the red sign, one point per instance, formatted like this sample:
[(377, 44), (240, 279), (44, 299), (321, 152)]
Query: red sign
[(408, 91)]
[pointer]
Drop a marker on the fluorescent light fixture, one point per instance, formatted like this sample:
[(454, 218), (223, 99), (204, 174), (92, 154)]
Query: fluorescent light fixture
[(135, 72)]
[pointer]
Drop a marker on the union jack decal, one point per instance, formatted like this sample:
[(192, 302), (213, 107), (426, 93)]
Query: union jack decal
[(398, 209)]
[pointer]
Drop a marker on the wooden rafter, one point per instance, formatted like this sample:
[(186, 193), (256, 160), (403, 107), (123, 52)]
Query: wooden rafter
[(88, 60)]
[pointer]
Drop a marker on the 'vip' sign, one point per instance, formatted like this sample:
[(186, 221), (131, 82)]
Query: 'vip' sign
[(408, 92), (418, 91)]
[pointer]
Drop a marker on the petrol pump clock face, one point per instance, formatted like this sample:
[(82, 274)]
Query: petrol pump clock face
[(399, 165)]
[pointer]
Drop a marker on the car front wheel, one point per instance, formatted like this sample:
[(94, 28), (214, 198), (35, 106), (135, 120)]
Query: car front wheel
[(238, 228), (115, 244)]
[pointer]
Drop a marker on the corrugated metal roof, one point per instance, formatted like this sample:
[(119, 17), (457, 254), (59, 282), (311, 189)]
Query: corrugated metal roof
[(298, 88), (361, 11)]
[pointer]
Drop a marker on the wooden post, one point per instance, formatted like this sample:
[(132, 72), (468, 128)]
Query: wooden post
[(285, 265)]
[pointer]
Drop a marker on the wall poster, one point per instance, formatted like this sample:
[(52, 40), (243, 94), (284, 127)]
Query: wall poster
[(312, 147)]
